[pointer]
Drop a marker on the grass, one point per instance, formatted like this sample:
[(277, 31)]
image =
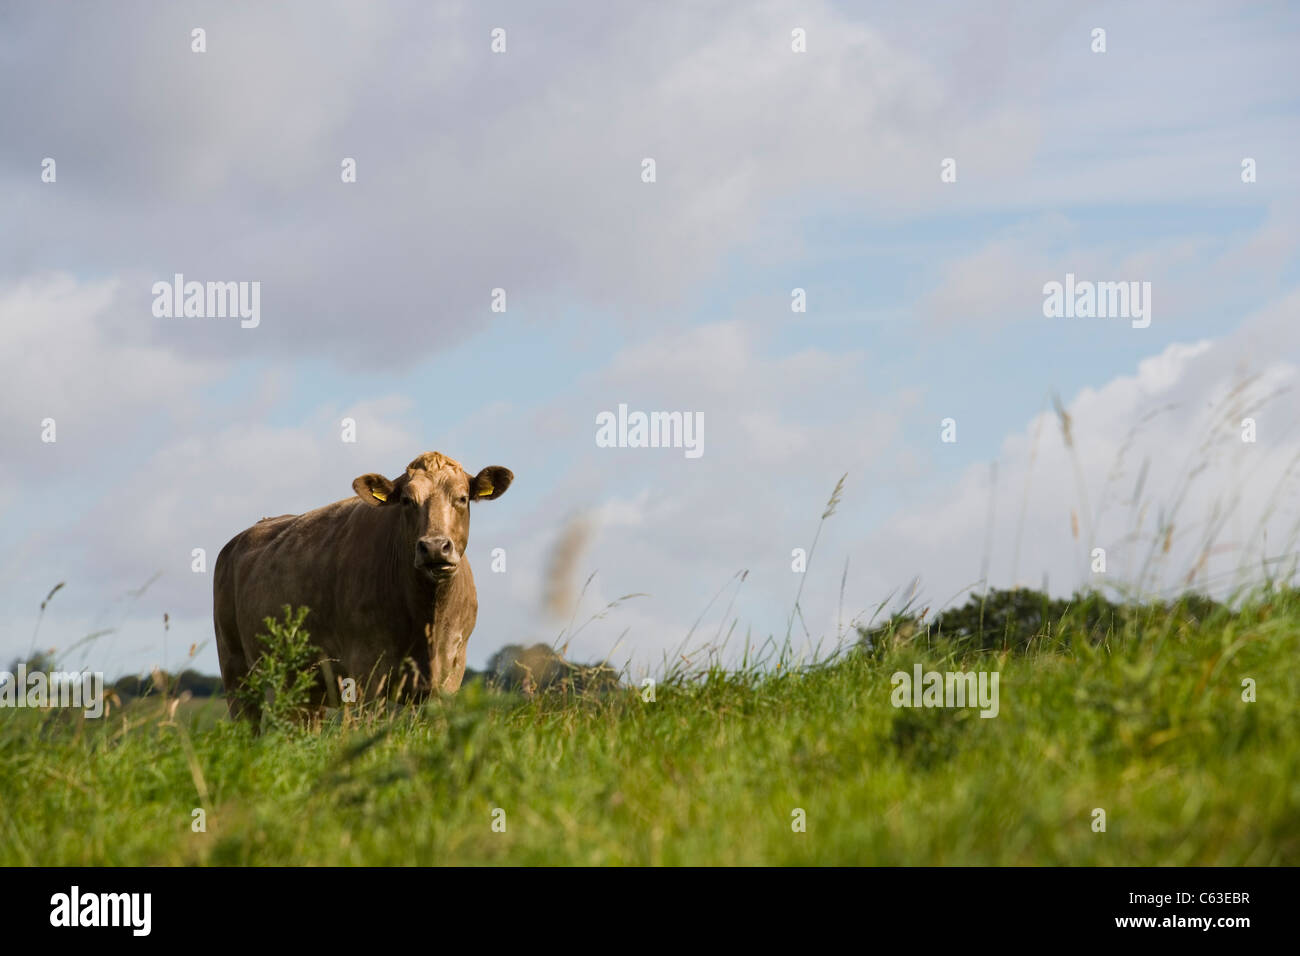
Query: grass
[(1140, 715)]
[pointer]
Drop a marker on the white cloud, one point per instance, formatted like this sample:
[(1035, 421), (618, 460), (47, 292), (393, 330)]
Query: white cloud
[(60, 357), (1177, 423)]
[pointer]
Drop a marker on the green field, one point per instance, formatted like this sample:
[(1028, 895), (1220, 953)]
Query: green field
[(1139, 713)]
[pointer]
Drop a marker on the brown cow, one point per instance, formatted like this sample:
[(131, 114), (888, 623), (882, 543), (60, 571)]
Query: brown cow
[(384, 574)]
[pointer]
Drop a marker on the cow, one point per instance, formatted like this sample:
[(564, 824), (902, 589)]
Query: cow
[(384, 574)]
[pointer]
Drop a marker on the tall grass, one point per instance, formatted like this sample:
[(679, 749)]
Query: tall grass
[(1141, 716)]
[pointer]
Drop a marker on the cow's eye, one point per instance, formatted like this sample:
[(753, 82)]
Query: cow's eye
[(408, 500), (463, 500)]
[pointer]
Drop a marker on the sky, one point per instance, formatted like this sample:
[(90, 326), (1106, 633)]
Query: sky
[(920, 172)]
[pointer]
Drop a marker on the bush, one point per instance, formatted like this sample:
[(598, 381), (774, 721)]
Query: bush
[(281, 681)]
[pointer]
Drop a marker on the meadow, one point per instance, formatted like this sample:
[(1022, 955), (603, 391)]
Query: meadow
[(1140, 710)]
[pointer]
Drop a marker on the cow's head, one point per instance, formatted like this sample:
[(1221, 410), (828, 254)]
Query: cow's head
[(432, 505)]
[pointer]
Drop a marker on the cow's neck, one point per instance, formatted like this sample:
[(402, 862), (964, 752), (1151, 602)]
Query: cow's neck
[(436, 624), (428, 602), (429, 599), (430, 607)]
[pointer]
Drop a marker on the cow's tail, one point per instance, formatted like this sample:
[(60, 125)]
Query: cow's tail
[(230, 647)]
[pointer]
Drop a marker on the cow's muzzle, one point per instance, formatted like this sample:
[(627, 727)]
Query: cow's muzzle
[(436, 555)]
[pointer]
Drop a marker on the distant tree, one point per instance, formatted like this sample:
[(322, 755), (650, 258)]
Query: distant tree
[(1014, 619), (132, 685), (540, 668), (40, 661), (199, 685)]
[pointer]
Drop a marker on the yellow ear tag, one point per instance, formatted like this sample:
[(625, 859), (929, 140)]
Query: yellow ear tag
[(380, 495), (484, 491)]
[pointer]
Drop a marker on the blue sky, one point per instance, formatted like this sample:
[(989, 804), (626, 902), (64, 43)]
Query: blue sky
[(776, 170)]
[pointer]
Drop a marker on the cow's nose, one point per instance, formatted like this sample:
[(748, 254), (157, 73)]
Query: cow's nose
[(437, 549)]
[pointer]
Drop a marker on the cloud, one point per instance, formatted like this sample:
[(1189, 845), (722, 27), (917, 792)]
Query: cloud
[(475, 171), (1156, 457), (61, 359), (1000, 282)]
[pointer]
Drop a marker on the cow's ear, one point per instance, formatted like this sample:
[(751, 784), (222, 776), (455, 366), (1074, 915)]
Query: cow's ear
[(374, 490), (490, 483)]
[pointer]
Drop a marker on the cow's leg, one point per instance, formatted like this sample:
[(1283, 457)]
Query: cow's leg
[(234, 669), (321, 696)]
